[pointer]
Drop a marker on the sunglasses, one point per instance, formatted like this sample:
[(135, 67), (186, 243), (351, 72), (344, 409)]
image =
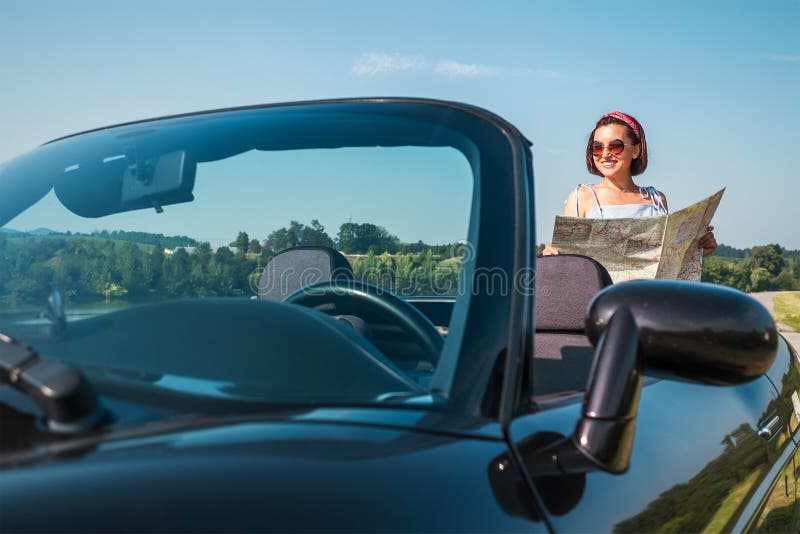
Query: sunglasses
[(615, 147)]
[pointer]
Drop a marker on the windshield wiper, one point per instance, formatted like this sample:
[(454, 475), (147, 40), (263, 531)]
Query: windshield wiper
[(61, 392)]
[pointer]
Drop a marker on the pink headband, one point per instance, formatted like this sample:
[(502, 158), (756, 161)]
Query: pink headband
[(627, 119)]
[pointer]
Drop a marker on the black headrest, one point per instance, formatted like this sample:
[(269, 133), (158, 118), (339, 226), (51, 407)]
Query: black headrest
[(565, 284), (298, 267)]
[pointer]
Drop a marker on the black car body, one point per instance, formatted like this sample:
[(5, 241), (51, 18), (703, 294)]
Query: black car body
[(230, 413)]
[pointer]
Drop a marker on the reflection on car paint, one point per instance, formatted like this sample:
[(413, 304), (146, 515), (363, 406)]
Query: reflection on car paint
[(718, 446), (195, 386), (780, 511)]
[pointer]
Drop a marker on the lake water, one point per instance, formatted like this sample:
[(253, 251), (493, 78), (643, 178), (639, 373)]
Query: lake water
[(33, 314)]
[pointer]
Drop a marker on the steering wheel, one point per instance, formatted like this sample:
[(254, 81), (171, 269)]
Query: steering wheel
[(365, 300)]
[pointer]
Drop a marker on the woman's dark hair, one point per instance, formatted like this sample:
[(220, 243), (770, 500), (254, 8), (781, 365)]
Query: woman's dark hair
[(638, 165)]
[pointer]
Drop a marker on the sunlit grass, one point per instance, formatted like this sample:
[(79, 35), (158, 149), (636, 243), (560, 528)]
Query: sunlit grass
[(787, 309), (732, 502), (779, 501)]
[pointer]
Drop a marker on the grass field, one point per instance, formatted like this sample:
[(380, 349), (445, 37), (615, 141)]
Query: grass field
[(787, 309)]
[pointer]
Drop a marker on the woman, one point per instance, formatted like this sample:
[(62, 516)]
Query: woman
[(617, 151)]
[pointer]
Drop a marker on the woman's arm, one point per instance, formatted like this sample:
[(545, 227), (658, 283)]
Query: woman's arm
[(570, 208), (568, 211), (708, 242)]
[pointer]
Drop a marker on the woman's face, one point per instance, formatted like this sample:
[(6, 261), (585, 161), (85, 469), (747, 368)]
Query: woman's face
[(615, 165)]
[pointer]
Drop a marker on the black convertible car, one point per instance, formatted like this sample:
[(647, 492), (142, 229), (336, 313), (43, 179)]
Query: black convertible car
[(187, 343)]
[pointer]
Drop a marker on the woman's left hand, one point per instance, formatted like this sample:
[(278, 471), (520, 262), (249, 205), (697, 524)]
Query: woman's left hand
[(708, 242)]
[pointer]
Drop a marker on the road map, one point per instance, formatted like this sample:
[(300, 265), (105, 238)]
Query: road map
[(653, 247)]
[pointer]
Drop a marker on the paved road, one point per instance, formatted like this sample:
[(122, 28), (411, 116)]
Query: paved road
[(766, 298)]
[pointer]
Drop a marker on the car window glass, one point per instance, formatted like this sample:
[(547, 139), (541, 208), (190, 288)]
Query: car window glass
[(123, 224), (398, 214)]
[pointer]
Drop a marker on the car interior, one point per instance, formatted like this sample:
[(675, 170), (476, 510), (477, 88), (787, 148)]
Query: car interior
[(292, 274), (563, 355), (565, 285)]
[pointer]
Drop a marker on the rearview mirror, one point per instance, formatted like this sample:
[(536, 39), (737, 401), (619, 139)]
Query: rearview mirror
[(127, 182)]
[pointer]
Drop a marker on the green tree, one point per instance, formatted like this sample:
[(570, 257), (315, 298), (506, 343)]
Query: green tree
[(154, 267), (131, 268), (242, 243), (221, 272), (297, 234), (769, 257), (360, 238), (786, 281), (727, 272), (200, 279), (315, 235), (34, 286), (283, 238), (203, 253), (112, 289), (67, 274), (176, 278), (760, 279), (445, 276), (404, 264), (408, 248)]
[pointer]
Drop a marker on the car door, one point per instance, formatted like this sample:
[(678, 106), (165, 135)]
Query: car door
[(704, 458), (779, 510)]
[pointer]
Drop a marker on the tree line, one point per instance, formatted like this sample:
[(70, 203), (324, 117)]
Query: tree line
[(352, 238), (762, 268), (136, 265), (144, 238), (103, 266), (84, 268)]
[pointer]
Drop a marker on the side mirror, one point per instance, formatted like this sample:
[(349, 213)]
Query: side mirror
[(689, 331), (677, 330)]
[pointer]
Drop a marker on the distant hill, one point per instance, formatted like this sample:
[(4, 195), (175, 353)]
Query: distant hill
[(724, 251), (142, 238), (38, 231), (41, 231), (149, 239)]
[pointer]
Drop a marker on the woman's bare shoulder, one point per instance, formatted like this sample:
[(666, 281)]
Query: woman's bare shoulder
[(585, 201)]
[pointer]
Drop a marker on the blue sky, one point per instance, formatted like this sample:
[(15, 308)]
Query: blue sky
[(715, 85)]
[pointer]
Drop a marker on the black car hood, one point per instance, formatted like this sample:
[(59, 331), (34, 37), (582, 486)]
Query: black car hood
[(269, 475)]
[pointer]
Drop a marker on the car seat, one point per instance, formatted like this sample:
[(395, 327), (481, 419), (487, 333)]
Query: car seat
[(299, 267), (562, 355)]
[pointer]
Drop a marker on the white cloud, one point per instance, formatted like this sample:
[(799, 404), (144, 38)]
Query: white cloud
[(455, 69), (783, 58), (546, 74), (373, 63)]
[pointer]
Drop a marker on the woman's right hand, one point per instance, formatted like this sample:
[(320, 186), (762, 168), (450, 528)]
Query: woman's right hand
[(549, 250)]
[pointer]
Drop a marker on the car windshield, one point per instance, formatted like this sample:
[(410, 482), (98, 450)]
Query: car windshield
[(160, 253)]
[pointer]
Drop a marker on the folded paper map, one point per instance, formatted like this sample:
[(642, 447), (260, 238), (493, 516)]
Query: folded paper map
[(653, 247)]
